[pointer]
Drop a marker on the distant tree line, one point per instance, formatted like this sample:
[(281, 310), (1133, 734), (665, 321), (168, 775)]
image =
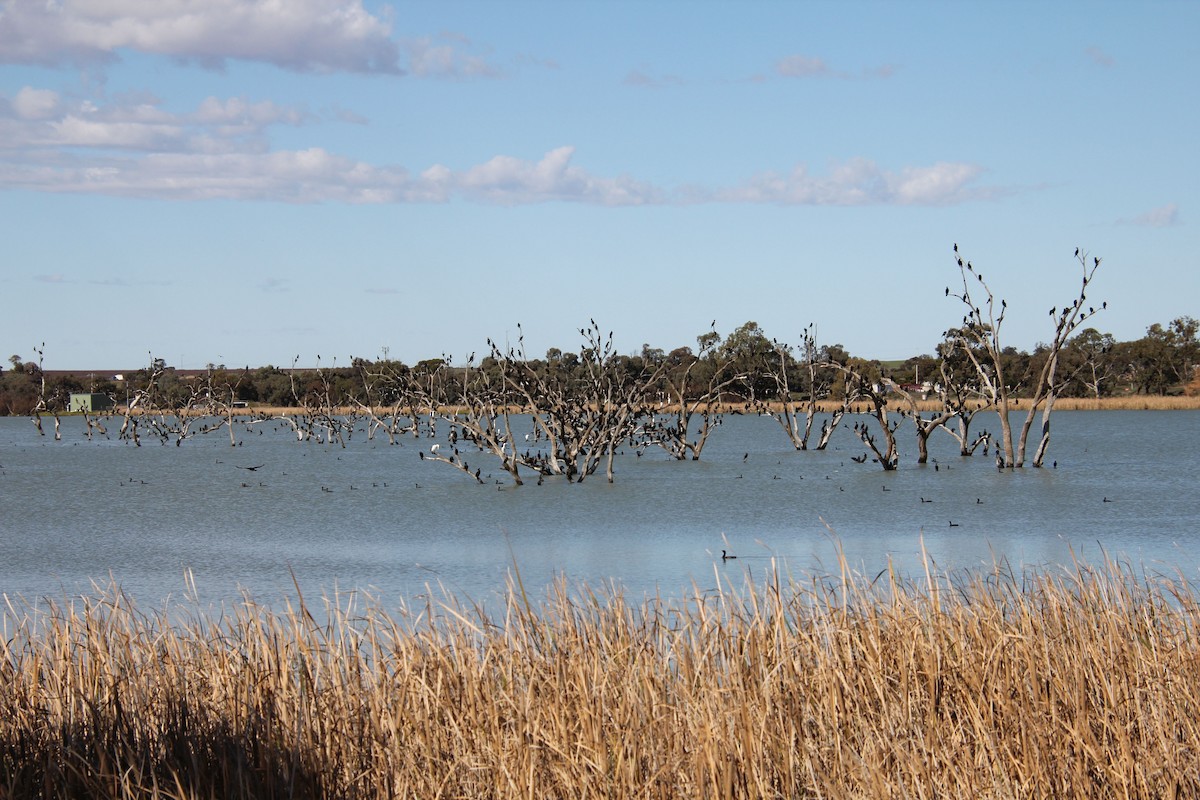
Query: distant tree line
[(1162, 362)]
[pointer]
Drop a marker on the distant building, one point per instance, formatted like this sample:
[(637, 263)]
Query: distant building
[(89, 401), (922, 389)]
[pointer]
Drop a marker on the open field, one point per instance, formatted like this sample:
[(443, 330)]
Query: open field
[(1082, 683)]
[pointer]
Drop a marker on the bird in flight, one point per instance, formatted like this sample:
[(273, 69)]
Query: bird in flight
[(251, 469)]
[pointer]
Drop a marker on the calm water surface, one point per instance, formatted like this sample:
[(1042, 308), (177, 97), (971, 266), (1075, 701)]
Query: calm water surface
[(78, 511)]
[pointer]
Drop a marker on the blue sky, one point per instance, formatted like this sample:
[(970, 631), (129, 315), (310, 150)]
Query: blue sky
[(248, 181)]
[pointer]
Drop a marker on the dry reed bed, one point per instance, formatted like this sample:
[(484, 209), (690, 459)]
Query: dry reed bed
[(1082, 683)]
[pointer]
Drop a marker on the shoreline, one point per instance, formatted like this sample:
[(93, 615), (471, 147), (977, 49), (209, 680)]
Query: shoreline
[(1130, 403), (1127, 403)]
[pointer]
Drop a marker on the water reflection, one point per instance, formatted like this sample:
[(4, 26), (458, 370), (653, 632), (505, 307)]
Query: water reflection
[(374, 516)]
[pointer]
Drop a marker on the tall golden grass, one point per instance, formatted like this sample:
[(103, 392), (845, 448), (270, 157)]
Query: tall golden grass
[(1048, 684)]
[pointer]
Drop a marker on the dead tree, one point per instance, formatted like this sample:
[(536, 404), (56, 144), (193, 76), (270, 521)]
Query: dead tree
[(1048, 386), (688, 399), (584, 413), (861, 386), (979, 339), (385, 389), (218, 398), (172, 414), (478, 406), (961, 396), (319, 417), (55, 402), (48, 402), (789, 413), (141, 400), (924, 427)]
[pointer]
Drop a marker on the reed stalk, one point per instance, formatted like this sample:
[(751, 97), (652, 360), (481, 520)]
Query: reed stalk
[(1074, 683)]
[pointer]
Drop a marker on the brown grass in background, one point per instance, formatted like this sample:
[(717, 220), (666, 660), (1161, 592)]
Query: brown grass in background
[(1189, 402), (1074, 684)]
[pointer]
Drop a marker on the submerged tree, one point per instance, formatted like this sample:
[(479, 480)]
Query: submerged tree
[(691, 386), (584, 413), (862, 384), (924, 426), (959, 392), (50, 400), (319, 417), (807, 376), (479, 408), (581, 408), (386, 401), (979, 339), (1048, 382)]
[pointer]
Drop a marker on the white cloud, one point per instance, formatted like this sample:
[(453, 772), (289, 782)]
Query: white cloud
[(32, 103), (132, 146), (303, 35), (1161, 217), (861, 182), (802, 66), (450, 56), (504, 179), (42, 120), (798, 66)]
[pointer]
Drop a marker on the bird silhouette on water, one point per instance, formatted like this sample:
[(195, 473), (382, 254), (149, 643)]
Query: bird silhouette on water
[(726, 556)]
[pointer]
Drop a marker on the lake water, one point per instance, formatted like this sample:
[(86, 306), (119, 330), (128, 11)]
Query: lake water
[(375, 517)]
